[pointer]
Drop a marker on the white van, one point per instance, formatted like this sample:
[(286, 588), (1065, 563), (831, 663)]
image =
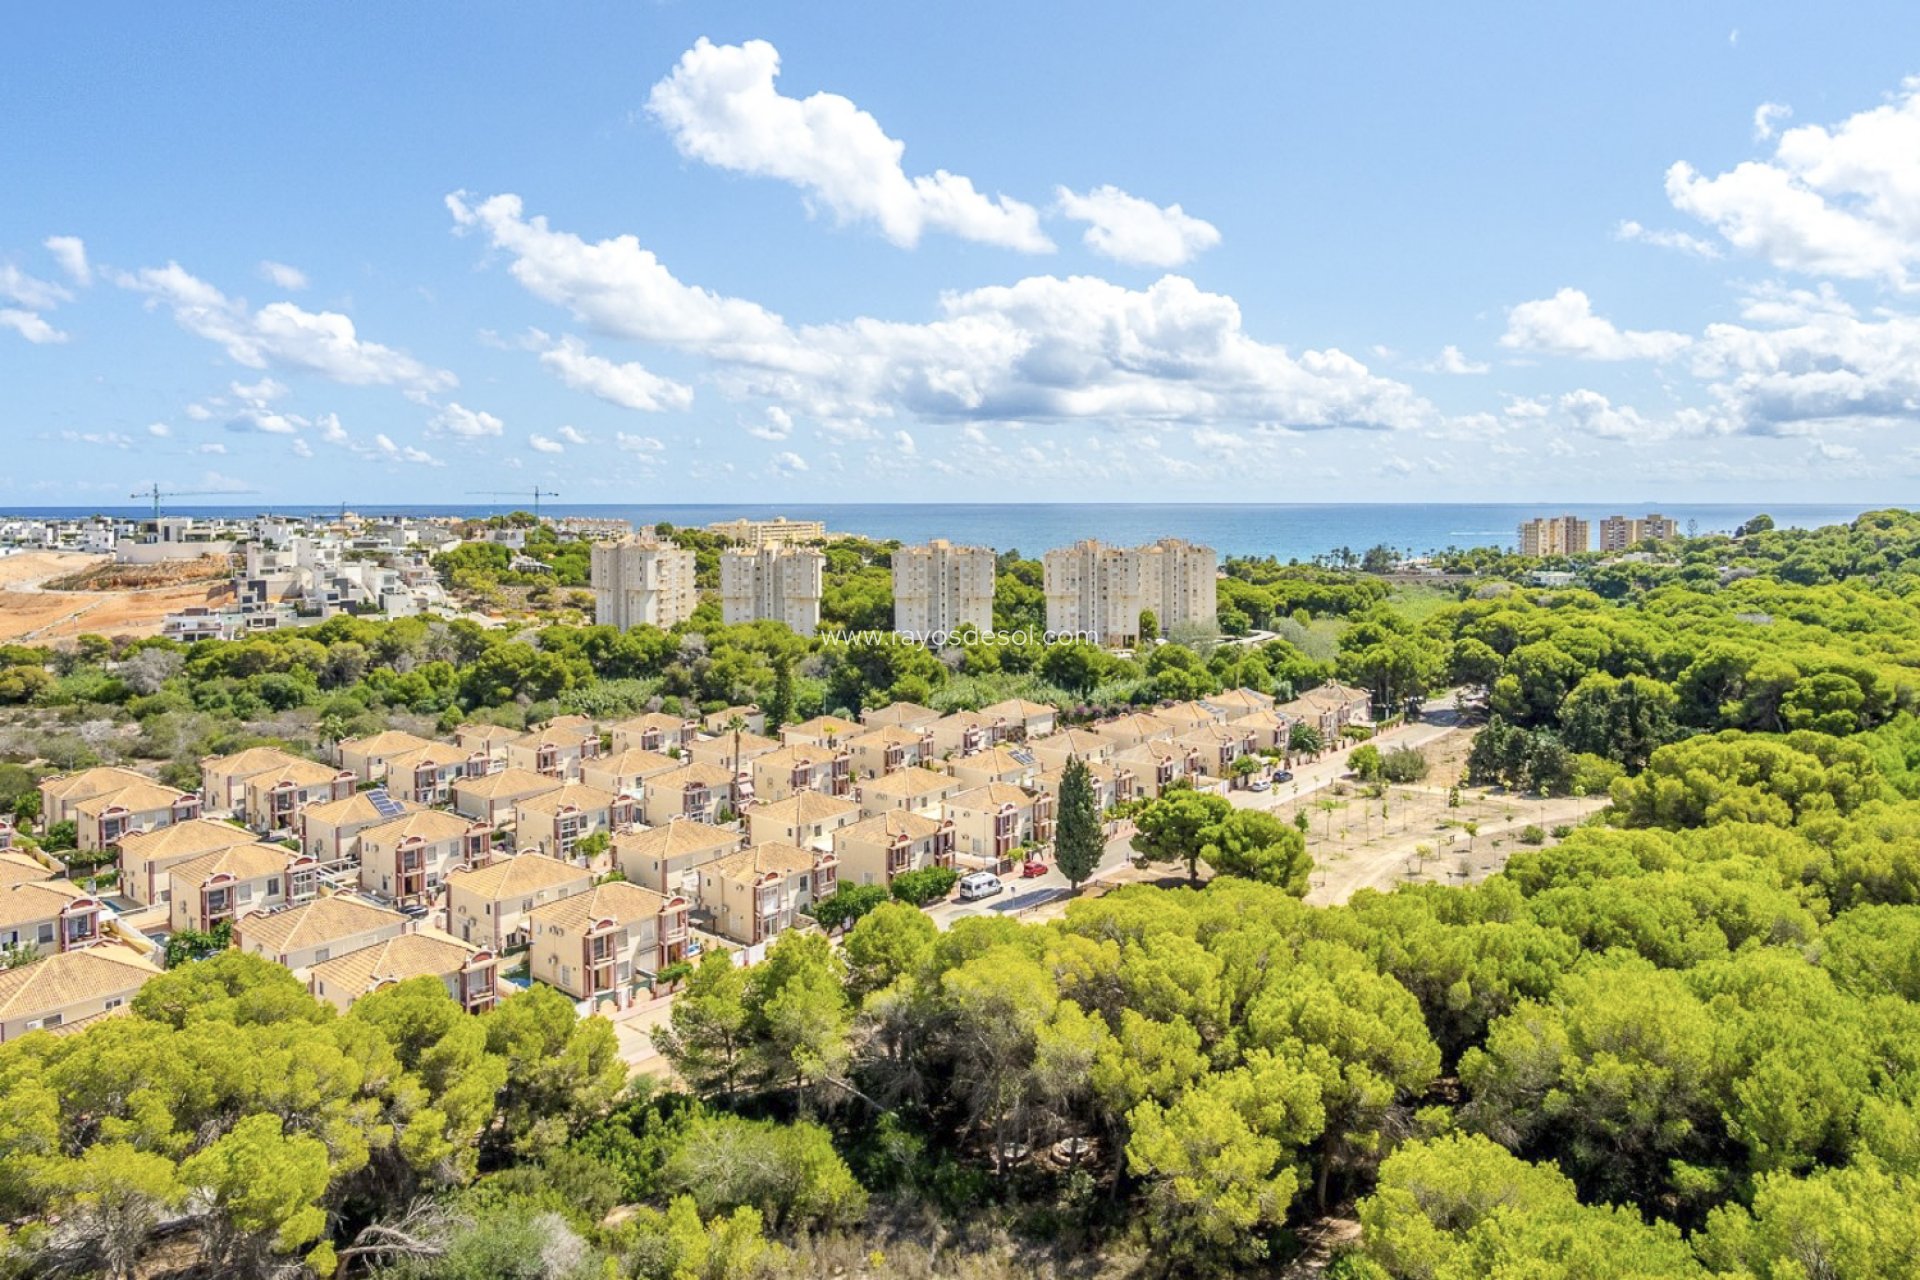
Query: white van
[(980, 884)]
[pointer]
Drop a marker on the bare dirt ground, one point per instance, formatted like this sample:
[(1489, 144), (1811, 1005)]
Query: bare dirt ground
[(1412, 834), (30, 613)]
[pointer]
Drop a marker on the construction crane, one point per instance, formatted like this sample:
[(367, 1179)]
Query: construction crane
[(538, 493), (156, 493)]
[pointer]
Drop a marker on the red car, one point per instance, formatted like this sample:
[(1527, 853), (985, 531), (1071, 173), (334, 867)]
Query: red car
[(1032, 867)]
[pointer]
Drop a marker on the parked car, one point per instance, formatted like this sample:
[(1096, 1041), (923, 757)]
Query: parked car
[(1259, 784), (1283, 775), (1032, 867), (978, 885)]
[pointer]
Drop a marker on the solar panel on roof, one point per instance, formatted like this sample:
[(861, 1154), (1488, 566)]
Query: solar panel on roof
[(385, 805), (1022, 755)]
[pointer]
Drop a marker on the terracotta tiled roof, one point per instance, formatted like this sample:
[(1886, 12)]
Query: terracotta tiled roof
[(516, 876), (60, 981), (315, 923), (615, 900)]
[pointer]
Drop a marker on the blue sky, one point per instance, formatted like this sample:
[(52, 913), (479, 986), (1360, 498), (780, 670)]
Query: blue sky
[(680, 253)]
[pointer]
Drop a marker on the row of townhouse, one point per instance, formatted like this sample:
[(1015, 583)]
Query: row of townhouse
[(66, 965)]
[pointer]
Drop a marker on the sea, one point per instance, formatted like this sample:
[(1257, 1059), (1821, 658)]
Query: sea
[(1287, 531)]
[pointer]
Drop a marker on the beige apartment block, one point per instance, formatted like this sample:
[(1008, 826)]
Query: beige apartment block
[(907, 715), (1189, 715), (808, 819), (303, 936), (913, 790), (101, 821), (641, 581), (1157, 763), (662, 858), (773, 584), (627, 772), (1272, 729), (59, 795), (777, 532), (469, 973), (557, 750), (1554, 536), (486, 742), (146, 858), (426, 775), (1054, 750), (556, 822), (1617, 533), (606, 941), (48, 916), (488, 905), (330, 832), (875, 850), (223, 779), (888, 748), (821, 731), (696, 791), (752, 895), (405, 860), (366, 758), (275, 798), (70, 988), (1025, 719), (492, 799), (657, 731), (992, 822), (220, 888), (793, 769), (1136, 727), (1218, 746), (965, 732), (721, 720), (1230, 704), (1331, 708), (939, 589), (1100, 591), (736, 754), (1014, 765), (1112, 784)]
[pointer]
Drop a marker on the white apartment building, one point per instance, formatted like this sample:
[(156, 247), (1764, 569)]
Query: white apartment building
[(1617, 533), (776, 583), (641, 580), (942, 588), (1101, 591)]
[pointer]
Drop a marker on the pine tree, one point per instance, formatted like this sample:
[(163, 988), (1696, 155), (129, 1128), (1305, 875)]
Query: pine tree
[(1077, 842)]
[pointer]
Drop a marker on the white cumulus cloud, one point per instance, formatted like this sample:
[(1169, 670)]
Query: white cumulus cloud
[(1841, 201), (455, 419), (1767, 117), (545, 444), (71, 253), (280, 275), (572, 435), (1452, 360), (721, 106), (30, 325), (1042, 349), (1128, 229), (159, 429), (629, 385), (1666, 239), (1566, 325), (283, 336)]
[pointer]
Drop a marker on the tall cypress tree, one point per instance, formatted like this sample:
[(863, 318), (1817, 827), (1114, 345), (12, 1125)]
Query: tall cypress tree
[(1077, 841)]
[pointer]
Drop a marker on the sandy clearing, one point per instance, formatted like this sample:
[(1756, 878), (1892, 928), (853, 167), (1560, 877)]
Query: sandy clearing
[(28, 613)]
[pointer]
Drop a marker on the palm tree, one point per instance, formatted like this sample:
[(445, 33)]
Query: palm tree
[(736, 723)]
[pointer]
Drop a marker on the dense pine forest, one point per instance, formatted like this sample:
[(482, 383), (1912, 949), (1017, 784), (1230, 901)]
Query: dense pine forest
[(1682, 1042)]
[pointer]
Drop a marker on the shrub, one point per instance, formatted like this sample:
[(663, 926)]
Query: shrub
[(929, 884), (1403, 765), (1531, 834), (1561, 832)]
